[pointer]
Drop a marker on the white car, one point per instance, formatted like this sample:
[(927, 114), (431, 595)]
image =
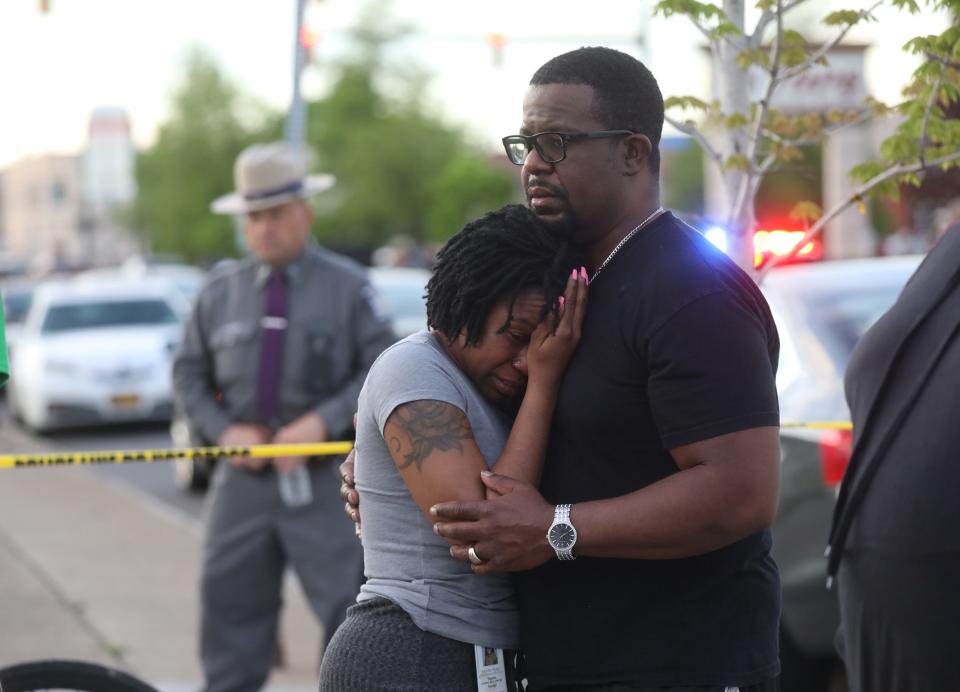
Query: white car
[(92, 352), (184, 279)]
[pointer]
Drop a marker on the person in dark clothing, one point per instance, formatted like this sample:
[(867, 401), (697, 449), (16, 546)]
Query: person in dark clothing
[(894, 545), (662, 468)]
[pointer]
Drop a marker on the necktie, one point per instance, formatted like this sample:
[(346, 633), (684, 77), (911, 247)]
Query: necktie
[(273, 324)]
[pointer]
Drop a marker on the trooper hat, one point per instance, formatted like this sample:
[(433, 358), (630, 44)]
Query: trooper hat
[(267, 175)]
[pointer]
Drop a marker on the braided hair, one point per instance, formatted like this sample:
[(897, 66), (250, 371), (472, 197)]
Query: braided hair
[(499, 256)]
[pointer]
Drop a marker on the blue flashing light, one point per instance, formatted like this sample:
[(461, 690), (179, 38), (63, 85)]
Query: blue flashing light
[(718, 236)]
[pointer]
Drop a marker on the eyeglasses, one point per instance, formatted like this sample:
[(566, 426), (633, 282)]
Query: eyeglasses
[(551, 146)]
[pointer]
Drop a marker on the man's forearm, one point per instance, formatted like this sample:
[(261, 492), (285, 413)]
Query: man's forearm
[(726, 489), (692, 512)]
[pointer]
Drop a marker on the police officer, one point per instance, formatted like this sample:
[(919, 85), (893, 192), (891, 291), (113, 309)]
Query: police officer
[(275, 351)]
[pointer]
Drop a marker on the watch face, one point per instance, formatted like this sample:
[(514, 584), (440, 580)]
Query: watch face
[(562, 536)]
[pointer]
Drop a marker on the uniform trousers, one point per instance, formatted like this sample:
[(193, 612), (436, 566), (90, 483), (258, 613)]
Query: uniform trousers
[(251, 537)]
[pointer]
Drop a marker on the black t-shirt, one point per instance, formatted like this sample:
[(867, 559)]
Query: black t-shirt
[(678, 346)]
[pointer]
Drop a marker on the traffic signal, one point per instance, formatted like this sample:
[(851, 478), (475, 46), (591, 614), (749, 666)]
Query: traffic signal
[(308, 41), (497, 43), (44, 6)]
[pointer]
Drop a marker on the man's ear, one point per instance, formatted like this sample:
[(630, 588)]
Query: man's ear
[(637, 149)]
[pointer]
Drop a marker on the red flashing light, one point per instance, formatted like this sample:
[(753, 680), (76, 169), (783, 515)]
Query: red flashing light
[(779, 243), (836, 446)]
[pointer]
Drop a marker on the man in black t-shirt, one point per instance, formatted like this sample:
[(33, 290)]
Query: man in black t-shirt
[(662, 473)]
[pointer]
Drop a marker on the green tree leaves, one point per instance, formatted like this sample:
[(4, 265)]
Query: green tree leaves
[(191, 163), (397, 165), (751, 141), (400, 168)]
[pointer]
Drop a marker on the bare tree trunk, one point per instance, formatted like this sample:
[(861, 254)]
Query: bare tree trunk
[(734, 98)]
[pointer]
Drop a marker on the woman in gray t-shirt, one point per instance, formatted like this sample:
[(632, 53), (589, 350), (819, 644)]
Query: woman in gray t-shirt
[(505, 305)]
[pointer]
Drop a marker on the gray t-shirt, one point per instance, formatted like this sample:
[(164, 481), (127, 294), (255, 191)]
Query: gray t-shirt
[(404, 560)]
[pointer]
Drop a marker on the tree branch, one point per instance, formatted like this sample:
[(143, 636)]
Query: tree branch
[(826, 48), (853, 197), (768, 16), (942, 60), (861, 118), (703, 30), (689, 128), (760, 115), (714, 41), (766, 165), (926, 117)]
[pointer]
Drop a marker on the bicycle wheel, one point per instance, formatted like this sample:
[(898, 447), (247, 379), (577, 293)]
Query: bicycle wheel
[(68, 675)]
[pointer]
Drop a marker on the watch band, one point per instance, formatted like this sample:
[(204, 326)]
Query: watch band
[(561, 516)]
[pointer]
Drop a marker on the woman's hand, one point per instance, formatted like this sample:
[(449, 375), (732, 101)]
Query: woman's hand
[(554, 340)]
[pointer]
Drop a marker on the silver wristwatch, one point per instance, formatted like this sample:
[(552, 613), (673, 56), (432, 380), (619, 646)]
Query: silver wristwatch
[(561, 535)]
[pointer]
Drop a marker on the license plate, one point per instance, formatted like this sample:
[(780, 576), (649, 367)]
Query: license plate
[(125, 401)]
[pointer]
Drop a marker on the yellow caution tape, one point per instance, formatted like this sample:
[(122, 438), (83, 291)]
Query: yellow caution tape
[(149, 455), (820, 425), (257, 451)]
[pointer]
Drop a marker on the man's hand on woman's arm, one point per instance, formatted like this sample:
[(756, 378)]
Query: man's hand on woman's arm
[(726, 489), (348, 491), (509, 531)]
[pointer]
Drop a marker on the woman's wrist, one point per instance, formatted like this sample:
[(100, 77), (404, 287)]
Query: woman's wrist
[(545, 388)]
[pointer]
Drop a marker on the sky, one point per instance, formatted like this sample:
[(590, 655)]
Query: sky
[(55, 68)]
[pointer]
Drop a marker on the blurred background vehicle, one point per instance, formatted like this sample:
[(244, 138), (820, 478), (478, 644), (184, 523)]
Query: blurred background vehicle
[(186, 279), (17, 295), (92, 352), (401, 295), (821, 309), (401, 291)]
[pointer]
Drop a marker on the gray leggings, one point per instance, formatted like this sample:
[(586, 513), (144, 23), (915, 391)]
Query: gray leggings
[(380, 649)]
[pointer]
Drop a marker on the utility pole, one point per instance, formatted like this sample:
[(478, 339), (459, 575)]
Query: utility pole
[(295, 129)]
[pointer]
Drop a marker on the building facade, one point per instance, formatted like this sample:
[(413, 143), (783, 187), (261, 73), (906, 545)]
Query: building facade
[(63, 211)]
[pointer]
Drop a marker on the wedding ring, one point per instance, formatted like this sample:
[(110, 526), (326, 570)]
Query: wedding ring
[(474, 558)]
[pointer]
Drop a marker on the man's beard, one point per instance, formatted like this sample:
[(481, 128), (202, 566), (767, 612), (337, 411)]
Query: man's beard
[(565, 227)]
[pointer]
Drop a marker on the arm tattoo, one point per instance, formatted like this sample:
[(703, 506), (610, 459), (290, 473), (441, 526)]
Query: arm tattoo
[(423, 426)]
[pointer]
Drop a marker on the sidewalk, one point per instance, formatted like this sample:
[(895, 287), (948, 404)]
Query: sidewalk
[(94, 570)]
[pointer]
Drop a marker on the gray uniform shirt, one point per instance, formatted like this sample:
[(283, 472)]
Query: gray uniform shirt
[(404, 560), (334, 333)]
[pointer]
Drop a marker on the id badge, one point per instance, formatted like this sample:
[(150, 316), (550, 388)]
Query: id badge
[(491, 670)]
